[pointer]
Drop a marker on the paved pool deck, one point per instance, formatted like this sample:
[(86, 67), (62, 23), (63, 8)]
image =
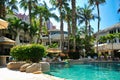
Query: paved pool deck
[(7, 74)]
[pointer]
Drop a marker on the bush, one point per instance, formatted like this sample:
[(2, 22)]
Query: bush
[(32, 52)]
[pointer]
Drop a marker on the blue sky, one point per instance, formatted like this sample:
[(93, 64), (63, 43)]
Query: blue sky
[(108, 13)]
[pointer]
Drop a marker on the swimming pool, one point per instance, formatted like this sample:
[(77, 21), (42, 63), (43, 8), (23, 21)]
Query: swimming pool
[(89, 71)]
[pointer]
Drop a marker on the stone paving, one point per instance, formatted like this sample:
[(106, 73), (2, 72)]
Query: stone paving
[(6, 74)]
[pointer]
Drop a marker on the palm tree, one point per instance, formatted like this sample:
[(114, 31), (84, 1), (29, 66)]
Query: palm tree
[(44, 15), (34, 31), (25, 26), (15, 25), (60, 4), (111, 38), (68, 19), (85, 15), (97, 3), (102, 39), (73, 3), (28, 5)]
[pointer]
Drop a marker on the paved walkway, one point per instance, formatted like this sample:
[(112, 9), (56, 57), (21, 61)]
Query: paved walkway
[(6, 74)]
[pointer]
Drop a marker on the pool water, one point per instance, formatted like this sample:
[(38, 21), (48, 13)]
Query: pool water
[(89, 71)]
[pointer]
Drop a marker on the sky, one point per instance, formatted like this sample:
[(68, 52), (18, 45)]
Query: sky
[(108, 14)]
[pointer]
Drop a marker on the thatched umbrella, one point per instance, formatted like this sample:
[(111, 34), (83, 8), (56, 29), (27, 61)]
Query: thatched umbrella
[(3, 24), (5, 40), (54, 50)]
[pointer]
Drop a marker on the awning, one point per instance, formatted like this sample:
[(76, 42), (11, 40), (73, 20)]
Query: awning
[(3, 24), (5, 40)]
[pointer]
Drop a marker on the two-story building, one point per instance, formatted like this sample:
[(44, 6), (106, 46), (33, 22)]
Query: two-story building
[(107, 47)]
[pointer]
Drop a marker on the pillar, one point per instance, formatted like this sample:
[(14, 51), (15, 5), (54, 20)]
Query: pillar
[(2, 60), (109, 52)]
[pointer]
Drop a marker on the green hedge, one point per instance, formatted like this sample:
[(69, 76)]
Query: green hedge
[(31, 52)]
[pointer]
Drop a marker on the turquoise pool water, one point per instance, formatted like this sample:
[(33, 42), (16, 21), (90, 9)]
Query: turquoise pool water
[(90, 71)]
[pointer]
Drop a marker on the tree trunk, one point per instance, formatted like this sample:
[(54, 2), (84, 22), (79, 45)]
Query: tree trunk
[(17, 38), (86, 26), (61, 30), (62, 36), (40, 31), (69, 32), (34, 39), (29, 5), (89, 29), (98, 12), (112, 50), (74, 22), (2, 10), (98, 25)]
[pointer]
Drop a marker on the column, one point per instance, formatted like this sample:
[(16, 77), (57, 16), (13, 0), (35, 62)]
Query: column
[(109, 52), (2, 60)]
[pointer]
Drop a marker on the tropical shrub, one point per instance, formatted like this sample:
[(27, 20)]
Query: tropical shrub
[(31, 52)]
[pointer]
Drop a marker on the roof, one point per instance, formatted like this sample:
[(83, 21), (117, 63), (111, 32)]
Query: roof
[(109, 28), (5, 40), (3, 24)]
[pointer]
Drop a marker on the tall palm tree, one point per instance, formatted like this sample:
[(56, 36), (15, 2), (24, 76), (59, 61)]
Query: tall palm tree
[(40, 11), (97, 3), (60, 4), (15, 25), (44, 14), (34, 31), (68, 19), (73, 3), (85, 15), (28, 5)]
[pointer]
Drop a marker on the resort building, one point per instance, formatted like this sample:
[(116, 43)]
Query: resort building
[(108, 48), (55, 37)]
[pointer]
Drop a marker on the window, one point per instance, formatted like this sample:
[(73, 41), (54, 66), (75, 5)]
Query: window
[(111, 32), (119, 40), (118, 30), (115, 40), (114, 31)]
